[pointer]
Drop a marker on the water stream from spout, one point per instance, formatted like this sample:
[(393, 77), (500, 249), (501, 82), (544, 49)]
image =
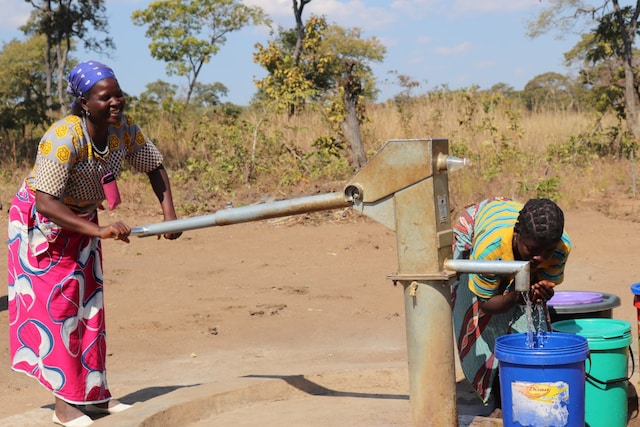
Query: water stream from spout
[(536, 333)]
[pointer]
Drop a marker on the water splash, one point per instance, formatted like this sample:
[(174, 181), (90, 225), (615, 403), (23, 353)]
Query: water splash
[(528, 310), (541, 331)]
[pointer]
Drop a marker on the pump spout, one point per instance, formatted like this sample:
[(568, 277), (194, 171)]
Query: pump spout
[(523, 278), (521, 269), (445, 162)]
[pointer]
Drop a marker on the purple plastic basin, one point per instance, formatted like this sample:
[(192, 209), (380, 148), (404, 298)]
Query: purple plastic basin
[(575, 297), (566, 305)]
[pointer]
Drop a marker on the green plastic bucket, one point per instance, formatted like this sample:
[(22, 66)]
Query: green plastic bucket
[(606, 368)]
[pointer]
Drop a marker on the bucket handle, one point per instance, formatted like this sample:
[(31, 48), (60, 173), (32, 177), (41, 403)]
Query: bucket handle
[(617, 380)]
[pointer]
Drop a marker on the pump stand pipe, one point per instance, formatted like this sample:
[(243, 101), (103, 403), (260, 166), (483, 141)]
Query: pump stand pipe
[(521, 269)]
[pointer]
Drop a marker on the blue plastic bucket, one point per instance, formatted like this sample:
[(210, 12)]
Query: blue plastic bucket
[(606, 401), (543, 386)]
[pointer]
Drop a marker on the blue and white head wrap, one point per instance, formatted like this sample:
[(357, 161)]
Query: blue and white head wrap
[(85, 75)]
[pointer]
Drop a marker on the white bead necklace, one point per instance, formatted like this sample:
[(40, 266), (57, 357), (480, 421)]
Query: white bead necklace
[(102, 152)]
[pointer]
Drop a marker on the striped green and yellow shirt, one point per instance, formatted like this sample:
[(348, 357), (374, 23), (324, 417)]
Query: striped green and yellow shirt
[(493, 240)]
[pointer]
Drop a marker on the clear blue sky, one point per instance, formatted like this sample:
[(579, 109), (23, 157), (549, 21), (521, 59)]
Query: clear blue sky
[(457, 43)]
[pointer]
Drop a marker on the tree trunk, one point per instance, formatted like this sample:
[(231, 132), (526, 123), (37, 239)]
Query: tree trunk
[(62, 55), (631, 105), (350, 127), (633, 126), (351, 130), (48, 65), (297, 12)]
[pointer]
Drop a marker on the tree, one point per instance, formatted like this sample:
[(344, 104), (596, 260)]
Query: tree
[(159, 92), (502, 88), (293, 84), (548, 91), (22, 93), (600, 83), (63, 22), (333, 71), (208, 95), (616, 29), (187, 33), (356, 82), (159, 97)]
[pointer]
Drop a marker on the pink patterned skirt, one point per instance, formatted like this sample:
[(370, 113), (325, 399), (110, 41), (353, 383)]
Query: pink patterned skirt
[(56, 312)]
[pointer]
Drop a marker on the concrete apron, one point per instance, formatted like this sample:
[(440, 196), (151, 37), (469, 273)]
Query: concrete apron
[(368, 397)]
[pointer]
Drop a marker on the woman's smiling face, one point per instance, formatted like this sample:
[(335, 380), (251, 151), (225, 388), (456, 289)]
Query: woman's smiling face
[(105, 102)]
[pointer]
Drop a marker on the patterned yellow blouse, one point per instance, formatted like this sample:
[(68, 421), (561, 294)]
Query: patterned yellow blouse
[(68, 168)]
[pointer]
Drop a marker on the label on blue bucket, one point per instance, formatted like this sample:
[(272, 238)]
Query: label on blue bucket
[(540, 404)]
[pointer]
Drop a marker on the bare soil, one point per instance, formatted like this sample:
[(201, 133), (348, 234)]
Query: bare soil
[(294, 295)]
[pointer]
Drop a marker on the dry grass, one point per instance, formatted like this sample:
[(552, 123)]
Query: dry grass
[(603, 183), (509, 149)]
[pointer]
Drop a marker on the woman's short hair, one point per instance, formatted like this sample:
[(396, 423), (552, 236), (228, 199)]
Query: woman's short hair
[(541, 220)]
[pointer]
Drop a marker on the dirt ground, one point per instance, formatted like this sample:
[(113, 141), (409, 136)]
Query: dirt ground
[(293, 295)]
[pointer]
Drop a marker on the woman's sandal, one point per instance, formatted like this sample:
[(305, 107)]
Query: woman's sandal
[(81, 421), (120, 407)]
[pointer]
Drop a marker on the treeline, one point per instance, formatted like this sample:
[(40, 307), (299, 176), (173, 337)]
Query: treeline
[(315, 116)]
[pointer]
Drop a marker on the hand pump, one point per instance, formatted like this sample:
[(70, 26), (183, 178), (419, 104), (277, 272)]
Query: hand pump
[(404, 187)]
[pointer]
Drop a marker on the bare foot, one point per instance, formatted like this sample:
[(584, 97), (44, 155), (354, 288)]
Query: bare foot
[(497, 413), (66, 412)]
